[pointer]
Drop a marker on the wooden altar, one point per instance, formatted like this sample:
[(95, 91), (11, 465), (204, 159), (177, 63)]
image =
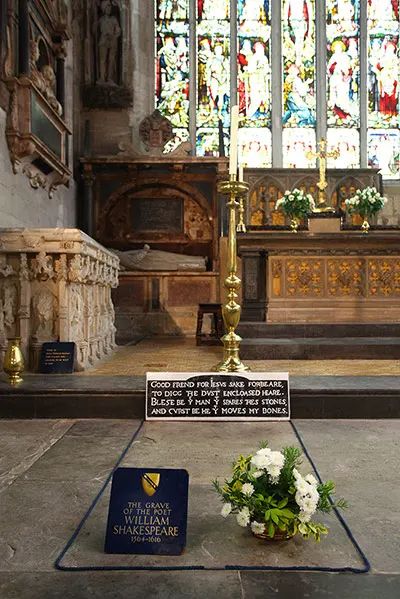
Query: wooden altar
[(308, 277)]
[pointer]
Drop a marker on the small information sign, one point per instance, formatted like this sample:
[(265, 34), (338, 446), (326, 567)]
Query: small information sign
[(57, 357), (148, 511), (215, 396)]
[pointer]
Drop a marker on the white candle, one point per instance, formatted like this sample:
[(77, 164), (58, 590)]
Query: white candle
[(233, 152), (241, 171)]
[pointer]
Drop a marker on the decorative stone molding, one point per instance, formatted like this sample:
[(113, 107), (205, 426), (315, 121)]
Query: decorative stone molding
[(56, 284)]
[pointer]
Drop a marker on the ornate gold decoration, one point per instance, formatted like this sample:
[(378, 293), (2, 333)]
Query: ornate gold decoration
[(231, 311), (304, 277), (276, 269), (294, 224), (384, 277), (346, 277), (14, 361), (322, 184), (365, 226)]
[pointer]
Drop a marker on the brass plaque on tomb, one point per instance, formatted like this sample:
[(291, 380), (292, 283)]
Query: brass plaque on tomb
[(157, 215)]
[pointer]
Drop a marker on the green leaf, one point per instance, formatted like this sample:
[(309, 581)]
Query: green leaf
[(267, 515), (274, 517), (271, 530), (287, 513), (283, 503)]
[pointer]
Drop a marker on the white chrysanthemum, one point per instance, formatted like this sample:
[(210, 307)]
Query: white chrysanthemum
[(243, 517), (277, 459), (274, 471), (257, 527), (309, 506), (257, 473), (296, 474), (226, 509), (260, 462), (266, 451), (311, 479), (247, 489), (304, 517)]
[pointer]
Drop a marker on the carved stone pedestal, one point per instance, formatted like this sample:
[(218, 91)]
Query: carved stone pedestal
[(56, 284)]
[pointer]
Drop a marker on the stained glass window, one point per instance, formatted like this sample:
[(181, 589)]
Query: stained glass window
[(213, 72), (298, 41), (269, 53), (383, 86), (172, 65)]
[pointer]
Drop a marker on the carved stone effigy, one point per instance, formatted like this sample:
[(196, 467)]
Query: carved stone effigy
[(55, 284)]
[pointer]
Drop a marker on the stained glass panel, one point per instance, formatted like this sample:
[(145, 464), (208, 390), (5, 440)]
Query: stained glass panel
[(172, 61), (255, 147), (254, 62), (207, 141), (298, 51), (213, 80), (343, 62), (347, 141), (383, 63), (384, 151), (296, 143)]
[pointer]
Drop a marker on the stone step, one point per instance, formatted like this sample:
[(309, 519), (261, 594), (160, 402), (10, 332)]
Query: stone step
[(265, 330), (77, 396), (320, 348)]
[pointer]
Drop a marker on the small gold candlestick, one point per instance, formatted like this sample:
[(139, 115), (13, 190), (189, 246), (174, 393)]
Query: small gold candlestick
[(14, 361), (231, 311)]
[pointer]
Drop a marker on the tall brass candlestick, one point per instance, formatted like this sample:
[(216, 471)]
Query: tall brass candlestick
[(231, 311)]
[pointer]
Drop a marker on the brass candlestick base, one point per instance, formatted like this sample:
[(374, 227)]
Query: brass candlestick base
[(231, 311), (14, 361)]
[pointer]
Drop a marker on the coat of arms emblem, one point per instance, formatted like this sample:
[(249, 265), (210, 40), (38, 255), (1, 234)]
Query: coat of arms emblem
[(150, 482)]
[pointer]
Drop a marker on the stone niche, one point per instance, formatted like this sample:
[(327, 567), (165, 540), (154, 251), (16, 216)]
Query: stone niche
[(55, 284)]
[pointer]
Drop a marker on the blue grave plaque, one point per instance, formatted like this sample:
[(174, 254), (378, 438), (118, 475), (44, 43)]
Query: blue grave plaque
[(148, 511), (57, 357)]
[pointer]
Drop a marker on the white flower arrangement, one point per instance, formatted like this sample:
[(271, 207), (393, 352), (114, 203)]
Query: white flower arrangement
[(268, 493), (296, 203), (365, 202)]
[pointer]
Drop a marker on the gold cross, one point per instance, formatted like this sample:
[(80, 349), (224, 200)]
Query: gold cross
[(322, 184)]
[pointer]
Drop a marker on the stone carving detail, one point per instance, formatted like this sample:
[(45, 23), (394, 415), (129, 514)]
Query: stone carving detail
[(346, 277), (197, 224), (384, 277), (48, 294), (108, 34), (107, 51), (44, 313), (36, 130), (304, 278), (155, 131)]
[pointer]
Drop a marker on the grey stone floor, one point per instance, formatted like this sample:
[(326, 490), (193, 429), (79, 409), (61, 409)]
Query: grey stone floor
[(50, 471)]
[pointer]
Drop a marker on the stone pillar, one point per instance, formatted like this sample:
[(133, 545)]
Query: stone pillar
[(86, 217)]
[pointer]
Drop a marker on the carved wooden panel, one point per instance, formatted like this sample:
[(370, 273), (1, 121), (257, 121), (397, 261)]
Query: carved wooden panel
[(268, 185), (346, 277), (304, 277)]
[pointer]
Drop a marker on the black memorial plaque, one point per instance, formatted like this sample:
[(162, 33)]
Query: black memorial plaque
[(211, 396), (157, 215), (57, 357), (148, 511)]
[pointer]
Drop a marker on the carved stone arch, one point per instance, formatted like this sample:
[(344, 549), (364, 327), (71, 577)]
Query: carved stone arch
[(117, 225)]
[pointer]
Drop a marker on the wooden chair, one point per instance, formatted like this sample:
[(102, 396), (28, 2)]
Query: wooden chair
[(217, 325)]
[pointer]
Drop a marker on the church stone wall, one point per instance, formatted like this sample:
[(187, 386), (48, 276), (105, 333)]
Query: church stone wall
[(23, 206)]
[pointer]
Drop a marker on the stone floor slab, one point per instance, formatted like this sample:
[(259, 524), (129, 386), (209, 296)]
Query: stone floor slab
[(212, 541)]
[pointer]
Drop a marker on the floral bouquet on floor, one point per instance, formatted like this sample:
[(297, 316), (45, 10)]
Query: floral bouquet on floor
[(268, 493), (296, 205), (366, 202)]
